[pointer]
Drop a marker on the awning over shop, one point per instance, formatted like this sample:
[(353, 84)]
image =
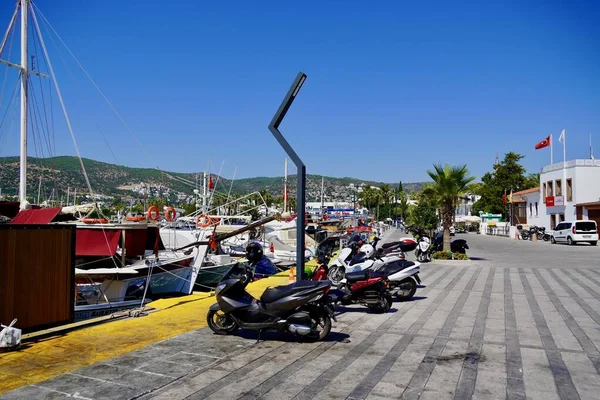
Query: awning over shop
[(96, 242), (40, 216)]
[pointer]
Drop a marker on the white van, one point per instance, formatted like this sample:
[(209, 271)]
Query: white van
[(572, 232)]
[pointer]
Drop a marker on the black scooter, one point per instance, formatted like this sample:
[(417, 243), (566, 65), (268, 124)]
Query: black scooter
[(302, 308), (456, 246)]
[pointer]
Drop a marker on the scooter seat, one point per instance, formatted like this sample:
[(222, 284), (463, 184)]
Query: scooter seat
[(273, 294), (352, 277), (390, 244)]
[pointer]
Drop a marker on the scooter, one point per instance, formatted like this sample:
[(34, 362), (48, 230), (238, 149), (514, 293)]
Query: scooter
[(456, 246), (402, 275), (302, 308), (368, 288)]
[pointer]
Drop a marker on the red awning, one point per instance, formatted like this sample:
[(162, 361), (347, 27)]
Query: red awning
[(97, 242), (135, 242), (36, 216)]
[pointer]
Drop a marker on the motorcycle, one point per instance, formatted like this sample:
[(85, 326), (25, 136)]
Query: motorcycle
[(402, 275), (456, 246), (303, 308), (543, 235), (363, 287)]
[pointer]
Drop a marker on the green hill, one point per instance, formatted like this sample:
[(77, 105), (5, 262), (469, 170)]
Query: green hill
[(57, 174)]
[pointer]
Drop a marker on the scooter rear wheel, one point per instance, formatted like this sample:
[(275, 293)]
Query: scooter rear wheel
[(321, 325), (220, 323), (407, 288), (383, 306)]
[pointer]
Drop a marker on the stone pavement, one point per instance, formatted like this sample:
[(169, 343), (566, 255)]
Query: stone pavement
[(482, 329)]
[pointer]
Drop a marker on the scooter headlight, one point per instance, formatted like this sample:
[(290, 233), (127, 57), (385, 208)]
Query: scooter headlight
[(219, 288)]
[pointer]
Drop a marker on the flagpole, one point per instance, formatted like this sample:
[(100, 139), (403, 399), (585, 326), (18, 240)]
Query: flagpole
[(564, 147), (564, 141), (551, 149)]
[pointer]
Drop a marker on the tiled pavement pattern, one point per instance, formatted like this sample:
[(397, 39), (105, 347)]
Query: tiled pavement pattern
[(477, 330)]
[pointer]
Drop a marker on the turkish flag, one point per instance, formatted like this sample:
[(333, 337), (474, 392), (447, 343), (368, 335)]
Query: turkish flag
[(543, 143), (211, 185)]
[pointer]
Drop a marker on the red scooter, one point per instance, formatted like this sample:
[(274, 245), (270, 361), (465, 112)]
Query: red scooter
[(369, 288)]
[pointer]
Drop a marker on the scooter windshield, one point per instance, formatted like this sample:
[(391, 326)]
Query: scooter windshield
[(359, 258), (236, 272)]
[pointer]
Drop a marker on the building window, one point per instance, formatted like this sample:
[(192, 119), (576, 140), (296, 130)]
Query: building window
[(561, 217), (569, 189), (530, 208), (536, 208), (544, 192), (550, 189), (552, 221), (559, 187)]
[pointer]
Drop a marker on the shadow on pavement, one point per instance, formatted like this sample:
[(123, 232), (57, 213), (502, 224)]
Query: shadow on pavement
[(285, 337), (414, 298)]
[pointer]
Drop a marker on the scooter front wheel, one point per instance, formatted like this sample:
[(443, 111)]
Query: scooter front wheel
[(336, 274), (221, 323)]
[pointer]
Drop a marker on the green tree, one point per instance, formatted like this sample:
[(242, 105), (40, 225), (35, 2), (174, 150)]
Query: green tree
[(400, 188), (508, 175), (423, 215), (267, 197), (449, 183), (386, 193), (403, 205), (531, 181)]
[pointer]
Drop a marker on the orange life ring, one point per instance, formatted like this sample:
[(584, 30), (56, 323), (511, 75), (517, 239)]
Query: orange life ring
[(94, 221), (203, 221), (153, 213), (170, 214), (135, 219)]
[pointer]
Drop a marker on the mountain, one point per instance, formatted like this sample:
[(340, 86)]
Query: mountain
[(59, 174)]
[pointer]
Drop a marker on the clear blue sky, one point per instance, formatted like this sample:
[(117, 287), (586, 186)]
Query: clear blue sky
[(392, 86)]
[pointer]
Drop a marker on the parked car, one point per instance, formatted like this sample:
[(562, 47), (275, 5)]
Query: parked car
[(452, 230), (572, 232)]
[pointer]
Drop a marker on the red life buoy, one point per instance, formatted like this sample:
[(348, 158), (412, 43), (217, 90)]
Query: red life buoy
[(203, 221), (170, 214), (153, 213)]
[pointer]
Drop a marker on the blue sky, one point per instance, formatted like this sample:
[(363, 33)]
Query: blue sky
[(392, 87)]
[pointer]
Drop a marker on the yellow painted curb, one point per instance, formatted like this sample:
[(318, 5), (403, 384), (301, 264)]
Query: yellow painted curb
[(52, 356)]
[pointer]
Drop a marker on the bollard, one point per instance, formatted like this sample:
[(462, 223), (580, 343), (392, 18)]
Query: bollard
[(533, 237)]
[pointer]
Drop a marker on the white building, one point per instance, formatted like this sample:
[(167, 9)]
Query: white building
[(465, 205), (564, 194)]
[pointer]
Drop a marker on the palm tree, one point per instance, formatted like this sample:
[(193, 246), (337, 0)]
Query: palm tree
[(386, 193), (403, 205), (267, 197), (449, 183)]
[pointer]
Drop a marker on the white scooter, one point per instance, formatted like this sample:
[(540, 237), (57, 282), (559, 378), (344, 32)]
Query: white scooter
[(403, 276), (422, 251)]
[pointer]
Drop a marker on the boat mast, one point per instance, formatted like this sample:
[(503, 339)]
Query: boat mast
[(322, 193), (285, 171), (204, 193), (24, 79)]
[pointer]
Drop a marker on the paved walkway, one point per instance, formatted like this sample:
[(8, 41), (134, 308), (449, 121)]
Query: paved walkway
[(481, 329)]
